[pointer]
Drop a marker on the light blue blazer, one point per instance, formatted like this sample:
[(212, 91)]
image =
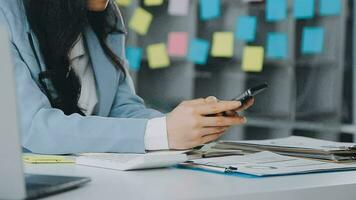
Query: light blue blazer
[(121, 115)]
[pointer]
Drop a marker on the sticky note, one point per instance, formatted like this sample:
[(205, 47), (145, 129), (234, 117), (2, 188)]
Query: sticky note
[(312, 40), (329, 7), (157, 56), (134, 57), (44, 159), (141, 21), (178, 7), (153, 2), (252, 59), (210, 9), (304, 9), (246, 28), (277, 45), (177, 44), (276, 10), (123, 2), (198, 51), (223, 44)]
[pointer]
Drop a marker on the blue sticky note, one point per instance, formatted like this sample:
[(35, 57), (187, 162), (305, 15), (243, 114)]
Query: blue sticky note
[(134, 56), (329, 7), (210, 9), (198, 51), (277, 45), (312, 40), (246, 28), (304, 9), (276, 10)]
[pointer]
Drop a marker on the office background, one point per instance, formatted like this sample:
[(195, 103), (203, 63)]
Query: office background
[(307, 49)]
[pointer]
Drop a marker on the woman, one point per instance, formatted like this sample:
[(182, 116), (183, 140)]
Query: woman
[(75, 94)]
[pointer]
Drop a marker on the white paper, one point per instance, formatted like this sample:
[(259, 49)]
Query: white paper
[(268, 163), (302, 142)]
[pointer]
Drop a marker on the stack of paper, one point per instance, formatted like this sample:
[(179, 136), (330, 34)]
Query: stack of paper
[(297, 146), (266, 164)]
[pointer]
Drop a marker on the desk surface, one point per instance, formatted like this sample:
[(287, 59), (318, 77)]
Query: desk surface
[(177, 184)]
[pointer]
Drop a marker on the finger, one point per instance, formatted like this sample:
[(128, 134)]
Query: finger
[(210, 138), (195, 102), (222, 121), (211, 99), (246, 105), (214, 108), (213, 130), (230, 113)]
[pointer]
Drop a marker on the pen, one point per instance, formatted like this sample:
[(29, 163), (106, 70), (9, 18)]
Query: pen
[(208, 167)]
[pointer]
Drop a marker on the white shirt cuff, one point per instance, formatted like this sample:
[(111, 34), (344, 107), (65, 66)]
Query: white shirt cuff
[(156, 137)]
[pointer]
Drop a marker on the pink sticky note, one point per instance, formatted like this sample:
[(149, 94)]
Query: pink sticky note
[(177, 44)]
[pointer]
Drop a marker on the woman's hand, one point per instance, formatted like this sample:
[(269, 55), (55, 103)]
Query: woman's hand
[(198, 122)]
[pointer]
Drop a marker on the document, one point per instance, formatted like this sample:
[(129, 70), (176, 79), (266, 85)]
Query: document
[(303, 143), (270, 164), (297, 146)]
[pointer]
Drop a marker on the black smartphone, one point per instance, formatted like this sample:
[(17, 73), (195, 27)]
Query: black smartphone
[(250, 93)]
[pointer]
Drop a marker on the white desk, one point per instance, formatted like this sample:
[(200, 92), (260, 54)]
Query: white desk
[(176, 184)]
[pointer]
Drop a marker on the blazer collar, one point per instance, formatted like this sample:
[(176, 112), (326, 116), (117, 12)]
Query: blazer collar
[(106, 75)]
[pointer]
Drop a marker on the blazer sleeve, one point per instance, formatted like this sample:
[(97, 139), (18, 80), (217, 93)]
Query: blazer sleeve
[(128, 104), (49, 131)]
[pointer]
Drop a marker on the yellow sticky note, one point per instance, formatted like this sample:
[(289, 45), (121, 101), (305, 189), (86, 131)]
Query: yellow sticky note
[(252, 60), (44, 159), (123, 2), (153, 2), (141, 21), (223, 44), (157, 56)]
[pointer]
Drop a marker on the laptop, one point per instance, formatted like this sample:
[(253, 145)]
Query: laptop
[(14, 184)]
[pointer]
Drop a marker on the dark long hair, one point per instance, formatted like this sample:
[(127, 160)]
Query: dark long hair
[(57, 25)]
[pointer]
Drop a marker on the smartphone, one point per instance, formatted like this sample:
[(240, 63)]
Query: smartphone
[(250, 93)]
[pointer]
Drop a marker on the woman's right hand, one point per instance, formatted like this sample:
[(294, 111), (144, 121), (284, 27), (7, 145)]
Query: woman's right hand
[(198, 122)]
